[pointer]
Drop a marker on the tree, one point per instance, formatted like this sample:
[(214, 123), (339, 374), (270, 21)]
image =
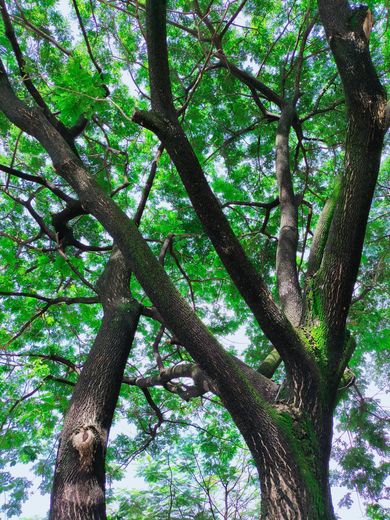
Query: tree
[(220, 90)]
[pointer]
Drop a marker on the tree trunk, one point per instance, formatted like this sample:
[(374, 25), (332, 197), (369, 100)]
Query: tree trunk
[(292, 458), (290, 439), (285, 495), (78, 491)]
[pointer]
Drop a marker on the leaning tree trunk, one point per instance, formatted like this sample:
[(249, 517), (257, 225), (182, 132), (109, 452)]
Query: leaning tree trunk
[(290, 440), (293, 468), (78, 491)]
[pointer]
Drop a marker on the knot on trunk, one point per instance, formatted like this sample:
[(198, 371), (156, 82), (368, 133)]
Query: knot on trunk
[(84, 441)]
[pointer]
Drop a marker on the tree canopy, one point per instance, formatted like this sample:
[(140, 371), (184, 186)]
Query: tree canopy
[(210, 172)]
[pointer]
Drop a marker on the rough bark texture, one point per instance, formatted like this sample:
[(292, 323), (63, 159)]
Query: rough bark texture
[(294, 472), (79, 480), (286, 268), (366, 114)]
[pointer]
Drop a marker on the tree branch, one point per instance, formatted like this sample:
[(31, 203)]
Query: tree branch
[(24, 22), (286, 266), (366, 108), (270, 364), (65, 236), (232, 18), (37, 179), (265, 205), (164, 123), (203, 384), (53, 301), (176, 313), (250, 81), (27, 325), (148, 186), (299, 61), (321, 233)]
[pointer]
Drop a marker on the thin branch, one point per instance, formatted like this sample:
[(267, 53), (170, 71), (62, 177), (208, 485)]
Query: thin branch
[(250, 80), (148, 186), (154, 407), (265, 205), (13, 158), (324, 110), (38, 180), (61, 380), (24, 243), (323, 91), (299, 61), (50, 357), (183, 272), (27, 24), (156, 352), (53, 301), (89, 50), (27, 325), (307, 231), (77, 272), (268, 116), (38, 219), (232, 138), (233, 17), (19, 401), (165, 248)]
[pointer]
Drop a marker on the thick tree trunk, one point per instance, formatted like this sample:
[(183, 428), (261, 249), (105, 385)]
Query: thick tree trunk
[(290, 441), (79, 481), (287, 496), (292, 457)]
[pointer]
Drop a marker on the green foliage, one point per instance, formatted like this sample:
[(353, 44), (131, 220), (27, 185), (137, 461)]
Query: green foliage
[(236, 147), (208, 475), (361, 449)]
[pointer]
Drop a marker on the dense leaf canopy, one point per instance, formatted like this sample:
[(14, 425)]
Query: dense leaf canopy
[(88, 61)]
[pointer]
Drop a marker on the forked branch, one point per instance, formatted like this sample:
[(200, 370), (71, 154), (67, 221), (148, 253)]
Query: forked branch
[(163, 121)]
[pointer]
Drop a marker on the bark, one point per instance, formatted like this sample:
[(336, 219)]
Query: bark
[(286, 267), (270, 364), (321, 233), (78, 491), (293, 468), (366, 117)]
